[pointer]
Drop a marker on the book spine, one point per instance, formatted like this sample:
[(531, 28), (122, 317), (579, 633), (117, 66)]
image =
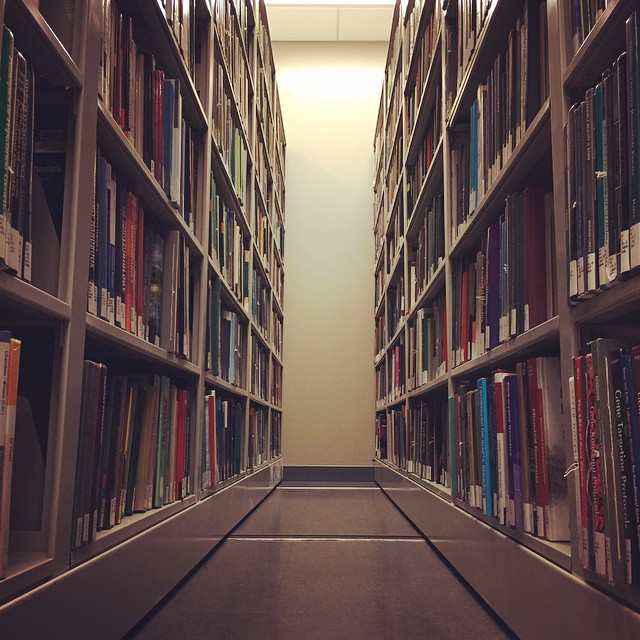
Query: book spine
[(633, 130), (13, 371), (6, 102)]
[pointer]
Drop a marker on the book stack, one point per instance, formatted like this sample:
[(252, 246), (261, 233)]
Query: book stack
[(511, 463), (147, 105), (604, 412), (133, 448), (603, 175), (16, 158), (506, 287)]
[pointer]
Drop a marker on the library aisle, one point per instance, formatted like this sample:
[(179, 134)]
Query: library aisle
[(322, 563)]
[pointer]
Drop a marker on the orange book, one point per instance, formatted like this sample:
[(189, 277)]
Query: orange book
[(9, 436)]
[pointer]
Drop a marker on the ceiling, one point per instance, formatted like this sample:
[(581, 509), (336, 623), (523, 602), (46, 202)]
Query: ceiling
[(329, 22)]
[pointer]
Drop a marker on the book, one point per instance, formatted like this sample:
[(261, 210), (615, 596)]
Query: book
[(556, 511), (485, 443), (623, 460), (8, 364), (632, 29), (6, 103)]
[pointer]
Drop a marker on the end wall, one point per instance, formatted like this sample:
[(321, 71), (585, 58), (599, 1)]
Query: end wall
[(329, 93)]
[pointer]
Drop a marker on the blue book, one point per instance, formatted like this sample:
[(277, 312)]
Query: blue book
[(485, 446)]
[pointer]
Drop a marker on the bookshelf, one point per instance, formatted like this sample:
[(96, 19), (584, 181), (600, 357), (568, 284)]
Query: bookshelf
[(478, 329), (149, 399)]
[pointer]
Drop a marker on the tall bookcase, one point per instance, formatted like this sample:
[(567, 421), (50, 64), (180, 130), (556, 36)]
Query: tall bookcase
[(157, 252), (479, 322)]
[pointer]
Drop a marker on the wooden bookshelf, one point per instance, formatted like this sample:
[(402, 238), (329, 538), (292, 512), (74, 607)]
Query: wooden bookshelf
[(185, 191), (524, 152)]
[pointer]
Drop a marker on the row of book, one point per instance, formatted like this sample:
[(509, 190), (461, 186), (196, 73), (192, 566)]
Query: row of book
[(428, 254), (10, 350), (225, 337), (603, 175), (263, 173), (465, 22), (392, 376), (428, 358), (263, 108), (276, 434), (379, 339), (506, 288), (229, 134), (133, 448), (258, 440), (605, 390), (381, 435), (394, 235), (227, 245), (511, 460), (147, 106), (260, 303), (260, 359), (235, 55), (417, 440), (262, 235), (394, 171), (16, 158), (139, 279), (431, 137), (276, 383), (223, 438), (394, 110), (396, 306), (584, 15), (379, 281), (277, 334), (276, 272), (181, 18), (506, 104), (423, 52)]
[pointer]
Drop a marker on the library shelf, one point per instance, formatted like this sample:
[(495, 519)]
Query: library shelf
[(198, 529), (533, 146), (543, 338), (27, 299), (585, 67), (444, 512), (70, 351), (493, 564), (50, 55)]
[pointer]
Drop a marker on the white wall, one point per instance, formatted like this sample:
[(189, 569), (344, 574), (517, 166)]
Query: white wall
[(329, 93)]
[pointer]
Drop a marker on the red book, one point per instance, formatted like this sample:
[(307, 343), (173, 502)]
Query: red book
[(535, 252)]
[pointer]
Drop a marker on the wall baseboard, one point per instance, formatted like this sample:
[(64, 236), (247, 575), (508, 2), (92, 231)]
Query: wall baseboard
[(329, 474)]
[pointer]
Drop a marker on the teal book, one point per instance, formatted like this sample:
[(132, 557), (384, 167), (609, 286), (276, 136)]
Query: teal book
[(485, 446)]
